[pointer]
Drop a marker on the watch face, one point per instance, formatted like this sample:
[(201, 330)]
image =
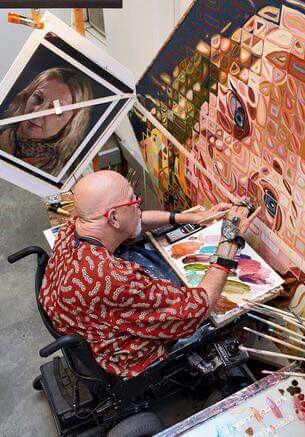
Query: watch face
[(229, 231)]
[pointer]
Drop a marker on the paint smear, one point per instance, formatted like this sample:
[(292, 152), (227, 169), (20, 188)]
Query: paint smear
[(211, 240), (185, 248), (208, 249), (224, 305), (196, 258), (257, 415), (274, 408)]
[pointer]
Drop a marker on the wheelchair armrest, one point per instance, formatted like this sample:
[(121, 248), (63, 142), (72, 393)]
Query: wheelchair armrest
[(26, 252), (70, 340)]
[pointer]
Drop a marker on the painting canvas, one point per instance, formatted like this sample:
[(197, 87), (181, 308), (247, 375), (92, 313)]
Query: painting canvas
[(229, 85), (46, 153), (252, 279)]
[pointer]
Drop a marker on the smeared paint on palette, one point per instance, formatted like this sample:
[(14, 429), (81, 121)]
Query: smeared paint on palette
[(252, 279), (277, 410)]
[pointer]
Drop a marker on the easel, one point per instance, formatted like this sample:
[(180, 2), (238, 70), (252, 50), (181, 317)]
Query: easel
[(80, 28), (77, 14)]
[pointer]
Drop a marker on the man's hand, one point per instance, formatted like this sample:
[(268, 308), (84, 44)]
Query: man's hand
[(241, 211), (203, 218)]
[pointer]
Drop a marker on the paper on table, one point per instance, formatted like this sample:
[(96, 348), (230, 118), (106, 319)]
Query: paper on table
[(51, 234)]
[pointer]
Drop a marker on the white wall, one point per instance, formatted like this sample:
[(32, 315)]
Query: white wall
[(13, 36), (135, 34)]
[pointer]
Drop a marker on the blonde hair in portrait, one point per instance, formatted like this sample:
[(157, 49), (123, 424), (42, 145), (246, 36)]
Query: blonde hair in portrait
[(72, 134)]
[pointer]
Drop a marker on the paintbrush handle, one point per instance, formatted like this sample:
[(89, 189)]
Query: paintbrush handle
[(277, 310), (288, 337), (271, 354), (215, 216), (279, 372), (275, 325), (275, 339), (274, 314)]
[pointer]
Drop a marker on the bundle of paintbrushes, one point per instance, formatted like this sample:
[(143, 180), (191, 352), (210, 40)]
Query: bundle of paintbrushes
[(288, 331)]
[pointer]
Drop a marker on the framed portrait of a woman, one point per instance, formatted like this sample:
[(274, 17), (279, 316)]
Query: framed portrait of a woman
[(58, 68)]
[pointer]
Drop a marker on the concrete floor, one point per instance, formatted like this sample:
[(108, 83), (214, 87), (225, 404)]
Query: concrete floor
[(23, 412)]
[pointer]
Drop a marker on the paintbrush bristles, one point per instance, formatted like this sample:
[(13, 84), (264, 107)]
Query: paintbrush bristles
[(275, 340), (271, 354)]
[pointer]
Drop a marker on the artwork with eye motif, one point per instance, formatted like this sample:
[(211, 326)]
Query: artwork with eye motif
[(229, 85)]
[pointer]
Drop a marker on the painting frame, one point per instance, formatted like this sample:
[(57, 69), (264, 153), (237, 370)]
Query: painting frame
[(98, 67)]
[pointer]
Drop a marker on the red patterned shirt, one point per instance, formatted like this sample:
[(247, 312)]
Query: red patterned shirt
[(128, 317)]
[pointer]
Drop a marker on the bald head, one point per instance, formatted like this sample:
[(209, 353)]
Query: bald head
[(97, 192)]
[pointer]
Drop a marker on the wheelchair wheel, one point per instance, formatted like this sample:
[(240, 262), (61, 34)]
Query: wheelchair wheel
[(37, 383), (138, 425)]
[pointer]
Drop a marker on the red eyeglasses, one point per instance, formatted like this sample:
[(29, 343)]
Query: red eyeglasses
[(137, 201)]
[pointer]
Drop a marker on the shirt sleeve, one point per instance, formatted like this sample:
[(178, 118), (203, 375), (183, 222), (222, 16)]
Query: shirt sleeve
[(151, 308)]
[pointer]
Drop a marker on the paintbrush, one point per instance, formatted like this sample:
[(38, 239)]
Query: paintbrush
[(279, 372), (275, 325), (278, 310), (274, 339), (215, 216), (270, 312), (287, 336), (296, 316), (271, 354), (278, 315)]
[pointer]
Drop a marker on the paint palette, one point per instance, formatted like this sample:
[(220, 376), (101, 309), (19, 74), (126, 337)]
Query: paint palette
[(253, 278), (275, 411)]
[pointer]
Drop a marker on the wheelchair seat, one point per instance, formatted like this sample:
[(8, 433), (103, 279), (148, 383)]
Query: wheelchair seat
[(75, 383)]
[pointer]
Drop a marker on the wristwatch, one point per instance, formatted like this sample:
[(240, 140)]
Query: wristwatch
[(230, 232), (225, 262), (230, 228)]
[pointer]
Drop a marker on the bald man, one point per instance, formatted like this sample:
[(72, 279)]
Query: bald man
[(128, 316)]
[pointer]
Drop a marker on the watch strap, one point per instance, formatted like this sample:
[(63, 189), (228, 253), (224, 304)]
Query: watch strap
[(240, 241), (172, 218), (225, 262), (219, 267)]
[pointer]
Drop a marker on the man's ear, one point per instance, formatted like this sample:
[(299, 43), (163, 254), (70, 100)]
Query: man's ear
[(112, 219)]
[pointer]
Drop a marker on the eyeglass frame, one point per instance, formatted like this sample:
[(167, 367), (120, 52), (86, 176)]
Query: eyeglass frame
[(137, 201)]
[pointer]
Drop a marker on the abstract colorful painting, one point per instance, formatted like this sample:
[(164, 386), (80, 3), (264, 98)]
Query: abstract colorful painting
[(229, 85), (252, 279)]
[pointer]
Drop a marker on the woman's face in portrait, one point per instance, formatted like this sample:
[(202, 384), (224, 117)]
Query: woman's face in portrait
[(42, 98)]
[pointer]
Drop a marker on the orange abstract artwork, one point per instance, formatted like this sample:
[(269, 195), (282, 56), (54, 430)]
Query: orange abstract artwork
[(229, 85)]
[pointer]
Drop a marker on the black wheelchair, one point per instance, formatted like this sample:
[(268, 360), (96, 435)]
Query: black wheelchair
[(87, 401)]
